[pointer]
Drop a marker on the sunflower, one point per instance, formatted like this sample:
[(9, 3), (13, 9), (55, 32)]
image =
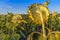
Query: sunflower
[(35, 12)]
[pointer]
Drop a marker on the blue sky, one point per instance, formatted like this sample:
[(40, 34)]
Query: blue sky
[(21, 6)]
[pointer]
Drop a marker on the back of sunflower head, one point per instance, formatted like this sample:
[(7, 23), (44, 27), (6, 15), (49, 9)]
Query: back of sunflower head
[(35, 11)]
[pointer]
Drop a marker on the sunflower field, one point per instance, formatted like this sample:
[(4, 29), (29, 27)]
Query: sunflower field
[(38, 24)]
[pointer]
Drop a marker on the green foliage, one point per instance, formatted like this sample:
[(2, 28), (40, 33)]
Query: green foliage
[(53, 22), (14, 37), (5, 37), (14, 31)]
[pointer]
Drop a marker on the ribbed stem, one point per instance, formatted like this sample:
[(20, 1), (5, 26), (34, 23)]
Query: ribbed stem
[(43, 28)]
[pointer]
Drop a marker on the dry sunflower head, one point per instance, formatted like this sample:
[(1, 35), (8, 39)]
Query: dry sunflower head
[(17, 18), (35, 12)]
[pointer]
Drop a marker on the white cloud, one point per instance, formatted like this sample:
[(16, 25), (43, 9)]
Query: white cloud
[(4, 8), (7, 8)]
